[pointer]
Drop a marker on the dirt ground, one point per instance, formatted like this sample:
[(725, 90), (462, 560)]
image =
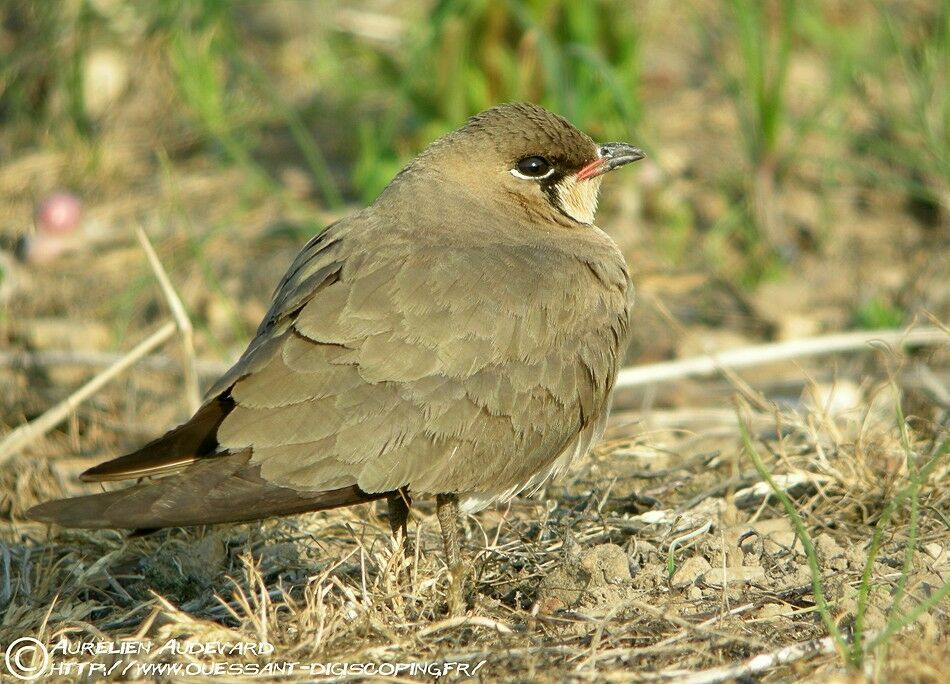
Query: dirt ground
[(663, 556)]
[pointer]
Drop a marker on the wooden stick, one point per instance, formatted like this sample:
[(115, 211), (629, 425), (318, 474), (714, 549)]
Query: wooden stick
[(19, 438), (759, 663), (185, 329), (758, 355), (465, 621)]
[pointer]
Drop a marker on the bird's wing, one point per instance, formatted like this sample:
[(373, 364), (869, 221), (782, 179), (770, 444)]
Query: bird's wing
[(438, 368)]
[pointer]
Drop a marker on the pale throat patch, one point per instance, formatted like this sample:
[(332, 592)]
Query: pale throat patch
[(578, 199)]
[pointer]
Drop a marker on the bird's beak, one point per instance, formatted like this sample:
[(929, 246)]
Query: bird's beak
[(610, 156)]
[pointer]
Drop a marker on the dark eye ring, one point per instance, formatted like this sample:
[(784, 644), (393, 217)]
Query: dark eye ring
[(533, 167)]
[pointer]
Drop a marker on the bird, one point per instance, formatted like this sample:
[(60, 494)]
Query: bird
[(459, 338)]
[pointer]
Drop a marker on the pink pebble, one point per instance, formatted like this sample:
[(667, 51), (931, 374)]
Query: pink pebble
[(59, 213)]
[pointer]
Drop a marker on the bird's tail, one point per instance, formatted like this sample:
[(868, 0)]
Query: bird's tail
[(225, 488)]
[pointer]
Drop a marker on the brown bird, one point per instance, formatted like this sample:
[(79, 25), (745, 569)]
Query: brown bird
[(458, 338)]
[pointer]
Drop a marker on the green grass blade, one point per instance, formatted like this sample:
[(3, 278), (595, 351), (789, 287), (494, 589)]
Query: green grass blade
[(801, 532)]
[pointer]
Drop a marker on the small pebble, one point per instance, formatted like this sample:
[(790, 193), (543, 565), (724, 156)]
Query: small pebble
[(59, 213), (717, 577), (691, 569)]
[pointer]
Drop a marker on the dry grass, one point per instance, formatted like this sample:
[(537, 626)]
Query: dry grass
[(333, 587)]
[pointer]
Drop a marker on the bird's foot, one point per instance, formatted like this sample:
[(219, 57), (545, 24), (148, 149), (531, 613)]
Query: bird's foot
[(457, 595), (448, 513)]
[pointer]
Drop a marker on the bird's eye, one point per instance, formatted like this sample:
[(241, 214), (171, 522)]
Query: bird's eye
[(533, 167)]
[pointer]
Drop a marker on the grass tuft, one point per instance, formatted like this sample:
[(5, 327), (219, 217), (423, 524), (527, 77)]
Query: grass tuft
[(855, 650)]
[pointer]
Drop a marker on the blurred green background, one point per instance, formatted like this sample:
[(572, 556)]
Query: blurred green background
[(797, 178)]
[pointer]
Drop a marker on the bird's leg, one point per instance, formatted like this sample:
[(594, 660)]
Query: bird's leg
[(448, 511), (398, 515), (447, 508)]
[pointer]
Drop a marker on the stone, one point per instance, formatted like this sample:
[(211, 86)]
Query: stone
[(691, 570), (606, 564), (588, 578), (719, 577), (772, 610), (827, 547)]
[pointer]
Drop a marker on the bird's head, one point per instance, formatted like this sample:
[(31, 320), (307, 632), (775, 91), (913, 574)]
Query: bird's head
[(523, 154)]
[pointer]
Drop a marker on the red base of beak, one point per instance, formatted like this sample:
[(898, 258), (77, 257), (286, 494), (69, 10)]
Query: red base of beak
[(595, 168)]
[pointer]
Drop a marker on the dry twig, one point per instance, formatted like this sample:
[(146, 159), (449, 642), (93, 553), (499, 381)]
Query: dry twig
[(759, 663), (185, 329), (771, 353)]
